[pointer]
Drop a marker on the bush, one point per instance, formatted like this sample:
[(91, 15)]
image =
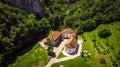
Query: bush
[(104, 33), (95, 45), (94, 40), (104, 52), (108, 51), (52, 54), (118, 57), (114, 63), (102, 61), (111, 47), (107, 44)]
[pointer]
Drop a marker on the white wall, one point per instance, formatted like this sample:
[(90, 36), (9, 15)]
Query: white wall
[(68, 50), (66, 35)]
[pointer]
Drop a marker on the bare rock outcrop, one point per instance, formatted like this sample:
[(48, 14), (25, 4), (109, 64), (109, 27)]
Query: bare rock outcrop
[(31, 6)]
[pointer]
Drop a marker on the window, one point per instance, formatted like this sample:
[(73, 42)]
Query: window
[(63, 35), (69, 35), (66, 35)]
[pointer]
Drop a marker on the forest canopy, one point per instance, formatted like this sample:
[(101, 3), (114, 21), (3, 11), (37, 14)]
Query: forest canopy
[(18, 30), (84, 15)]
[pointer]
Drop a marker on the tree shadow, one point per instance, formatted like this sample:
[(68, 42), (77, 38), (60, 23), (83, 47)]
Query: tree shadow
[(11, 57)]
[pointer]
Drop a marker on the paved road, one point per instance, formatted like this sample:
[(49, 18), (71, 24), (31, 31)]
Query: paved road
[(57, 50)]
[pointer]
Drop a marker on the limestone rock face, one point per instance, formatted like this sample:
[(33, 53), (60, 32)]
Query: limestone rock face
[(31, 6)]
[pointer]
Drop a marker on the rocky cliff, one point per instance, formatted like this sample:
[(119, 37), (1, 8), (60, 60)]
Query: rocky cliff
[(31, 6)]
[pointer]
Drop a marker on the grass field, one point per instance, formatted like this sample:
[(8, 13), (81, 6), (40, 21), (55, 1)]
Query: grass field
[(72, 63), (37, 57), (61, 55), (104, 52)]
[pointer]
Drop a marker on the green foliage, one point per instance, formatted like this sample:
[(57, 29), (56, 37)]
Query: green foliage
[(102, 61), (18, 30), (104, 33), (49, 42), (99, 48), (84, 15), (37, 56), (50, 47), (52, 54)]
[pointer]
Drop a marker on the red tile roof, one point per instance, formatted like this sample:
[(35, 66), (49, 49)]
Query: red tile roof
[(69, 31), (54, 36), (71, 43)]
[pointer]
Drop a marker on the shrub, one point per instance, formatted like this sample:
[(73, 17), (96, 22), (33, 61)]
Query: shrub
[(104, 33), (114, 63), (82, 54), (52, 54), (102, 61), (93, 40), (118, 57), (111, 57), (95, 45), (112, 47), (107, 44), (108, 51)]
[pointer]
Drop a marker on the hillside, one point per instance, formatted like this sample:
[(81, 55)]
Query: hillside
[(96, 21), (30, 6), (105, 52), (18, 30)]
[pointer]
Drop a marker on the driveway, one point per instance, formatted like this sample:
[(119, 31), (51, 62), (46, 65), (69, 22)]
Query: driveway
[(57, 51)]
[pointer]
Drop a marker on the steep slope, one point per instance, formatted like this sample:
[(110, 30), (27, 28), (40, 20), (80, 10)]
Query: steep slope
[(31, 6), (18, 32)]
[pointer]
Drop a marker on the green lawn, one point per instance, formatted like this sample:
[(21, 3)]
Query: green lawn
[(61, 55), (36, 57), (73, 63), (106, 49)]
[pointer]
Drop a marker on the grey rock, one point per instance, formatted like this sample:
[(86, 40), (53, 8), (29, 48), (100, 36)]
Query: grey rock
[(31, 6)]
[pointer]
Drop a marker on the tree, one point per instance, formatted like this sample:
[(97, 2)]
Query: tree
[(102, 61), (50, 47), (104, 33), (18, 30), (89, 25)]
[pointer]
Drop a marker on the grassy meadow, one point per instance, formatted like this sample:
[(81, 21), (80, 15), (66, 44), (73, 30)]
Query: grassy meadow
[(37, 57)]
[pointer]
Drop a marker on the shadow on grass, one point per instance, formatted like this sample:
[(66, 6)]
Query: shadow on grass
[(11, 57)]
